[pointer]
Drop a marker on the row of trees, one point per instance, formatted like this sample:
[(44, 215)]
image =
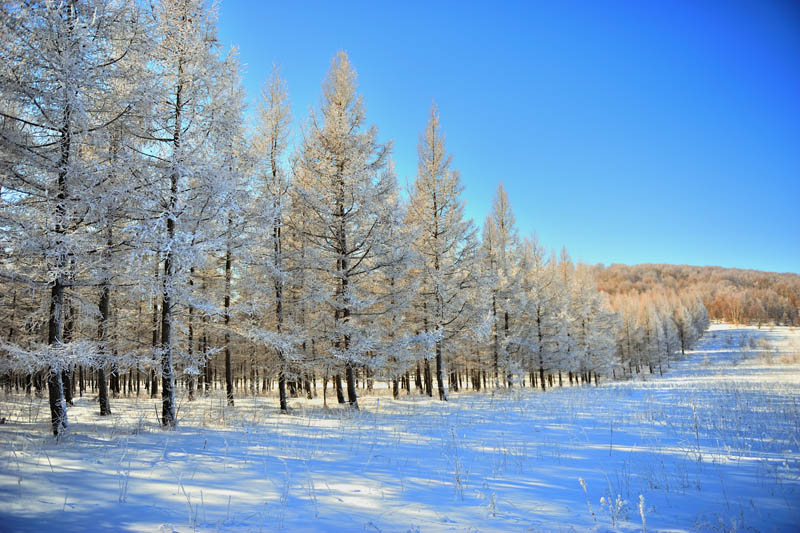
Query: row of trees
[(655, 326), (149, 240)]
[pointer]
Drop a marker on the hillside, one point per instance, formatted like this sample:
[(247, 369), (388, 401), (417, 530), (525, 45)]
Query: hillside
[(730, 294)]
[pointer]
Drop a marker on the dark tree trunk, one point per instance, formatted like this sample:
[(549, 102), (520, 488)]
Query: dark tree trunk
[(352, 398), (156, 339), (428, 379), (509, 379), (282, 390), (207, 370), (541, 358), (227, 303), (66, 380), (102, 334), (279, 326), (114, 382), (58, 407), (439, 372), (66, 374), (190, 339), (55, 325), (495, 342), (167, 382), (339, 391)]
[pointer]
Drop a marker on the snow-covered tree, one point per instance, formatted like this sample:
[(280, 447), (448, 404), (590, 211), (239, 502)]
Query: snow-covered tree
[(540, 336), (271, 260), (395, 289), (189, 178), (684, 324), (349, 194), (61, 92), (500, 241), (592, 327), (445, 242), (668, 337)]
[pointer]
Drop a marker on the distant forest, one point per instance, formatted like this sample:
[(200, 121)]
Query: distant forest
[(729, 294)]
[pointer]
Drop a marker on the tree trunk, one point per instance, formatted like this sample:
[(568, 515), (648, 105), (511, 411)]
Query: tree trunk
[(279, 327), (58, 407), (495, 343), (282, 388), (227, 303), (439, 372), (541, 375), (509, 377), (66, 374), (167, 382), (207, 370), (102, 334), (55, 325), (352, 398), (156, 340), (428, 379), (339, 391)]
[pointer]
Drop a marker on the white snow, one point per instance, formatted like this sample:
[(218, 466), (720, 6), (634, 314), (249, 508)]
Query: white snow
[(714, 444)]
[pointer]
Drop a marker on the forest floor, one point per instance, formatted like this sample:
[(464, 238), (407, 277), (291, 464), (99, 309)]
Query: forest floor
[(713, 445)]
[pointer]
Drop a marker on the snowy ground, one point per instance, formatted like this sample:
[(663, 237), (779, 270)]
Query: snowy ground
[(714, 445)]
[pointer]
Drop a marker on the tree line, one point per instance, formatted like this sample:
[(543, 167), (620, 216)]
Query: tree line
[(730, 294), (151, 243)]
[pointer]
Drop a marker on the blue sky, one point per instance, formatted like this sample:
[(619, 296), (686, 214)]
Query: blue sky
[(629, 132)]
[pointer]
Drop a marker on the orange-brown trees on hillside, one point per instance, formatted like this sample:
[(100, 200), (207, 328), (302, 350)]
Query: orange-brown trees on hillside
[(729, 294)]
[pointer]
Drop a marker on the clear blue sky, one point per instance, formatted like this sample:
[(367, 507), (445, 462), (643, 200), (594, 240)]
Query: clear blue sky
[(629, 132)]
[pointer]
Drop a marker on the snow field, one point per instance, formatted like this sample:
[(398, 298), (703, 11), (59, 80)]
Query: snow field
[(713, 445)]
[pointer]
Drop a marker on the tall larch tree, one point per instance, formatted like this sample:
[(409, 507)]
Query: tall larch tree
[(273, 327), (59, 64), (445, 243), (348, 193), (500, 241), (187, 170), (540, 337)]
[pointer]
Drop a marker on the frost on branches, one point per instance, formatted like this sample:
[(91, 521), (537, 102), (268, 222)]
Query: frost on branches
[(153, 244)]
